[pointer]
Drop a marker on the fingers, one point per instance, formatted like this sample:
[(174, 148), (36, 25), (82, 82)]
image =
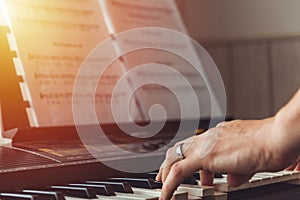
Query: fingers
[(164, 173), (236, 180), (158, 176), (171, 158), (297, 168), (206, 178), (291, 167), (178, 172)]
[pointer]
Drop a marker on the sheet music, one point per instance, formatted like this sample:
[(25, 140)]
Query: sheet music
[(53, 38), (130, 14)]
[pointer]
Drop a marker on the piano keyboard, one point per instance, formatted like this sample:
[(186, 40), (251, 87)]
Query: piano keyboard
[(33, 177), (148, 189), (259, 179)]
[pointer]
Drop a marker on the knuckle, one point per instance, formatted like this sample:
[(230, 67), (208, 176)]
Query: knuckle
[(169, 153), (221, 124), (165, 188), (214, 131), (177, 169), (176, 144), (237, 121)]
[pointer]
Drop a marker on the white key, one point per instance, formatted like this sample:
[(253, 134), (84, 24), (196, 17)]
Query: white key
[(295, 178), (221, 185), (75, 198), (191, 197), (196, 190), (118, 196), (115, 198), (215, 196), (178, 195), (266, 179), (292, 174), (136, 196), (285, 176), (276, 178), (260, 179), (220, 196), (245, 185), (255, 182)]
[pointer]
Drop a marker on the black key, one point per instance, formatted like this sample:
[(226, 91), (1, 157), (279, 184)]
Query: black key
[(46, 195), (123, 187), (148, 183), (153, 145), (79, 192), (150, 175), (195, 175), (159, 184), (216, 175), (105, 190), (148, 146), (189, 180), (18, 196)]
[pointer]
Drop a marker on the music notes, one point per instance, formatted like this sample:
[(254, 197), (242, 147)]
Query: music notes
[(56, 38), (53, 38)]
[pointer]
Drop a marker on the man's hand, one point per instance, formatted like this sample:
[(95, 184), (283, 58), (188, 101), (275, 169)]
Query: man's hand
[(239, 148)]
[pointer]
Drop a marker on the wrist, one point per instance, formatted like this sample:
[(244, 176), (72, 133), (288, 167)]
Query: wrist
[(270, 153), (284, 138), (272, 146)]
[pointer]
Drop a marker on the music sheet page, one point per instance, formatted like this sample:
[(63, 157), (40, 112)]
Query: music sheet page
[(53, 39), (130, 14)]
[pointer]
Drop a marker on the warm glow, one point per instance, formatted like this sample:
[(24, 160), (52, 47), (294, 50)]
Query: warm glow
[(4, 14), (5, 20)]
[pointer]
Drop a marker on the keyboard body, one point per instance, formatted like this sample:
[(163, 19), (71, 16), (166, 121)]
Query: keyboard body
[(39, 163)]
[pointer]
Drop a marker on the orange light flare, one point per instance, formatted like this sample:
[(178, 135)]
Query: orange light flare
[(4, 20)]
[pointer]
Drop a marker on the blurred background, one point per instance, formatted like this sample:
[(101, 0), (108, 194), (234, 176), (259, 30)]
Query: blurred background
[(255, 44)]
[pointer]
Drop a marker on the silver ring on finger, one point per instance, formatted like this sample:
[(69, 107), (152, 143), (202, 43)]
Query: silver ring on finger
[(179, 151)]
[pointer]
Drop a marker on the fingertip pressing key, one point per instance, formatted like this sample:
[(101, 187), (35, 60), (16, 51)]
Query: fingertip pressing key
[(158, 176)]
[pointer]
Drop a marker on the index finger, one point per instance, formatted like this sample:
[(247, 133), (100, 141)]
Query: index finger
[(172, 157), (179, 171)]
